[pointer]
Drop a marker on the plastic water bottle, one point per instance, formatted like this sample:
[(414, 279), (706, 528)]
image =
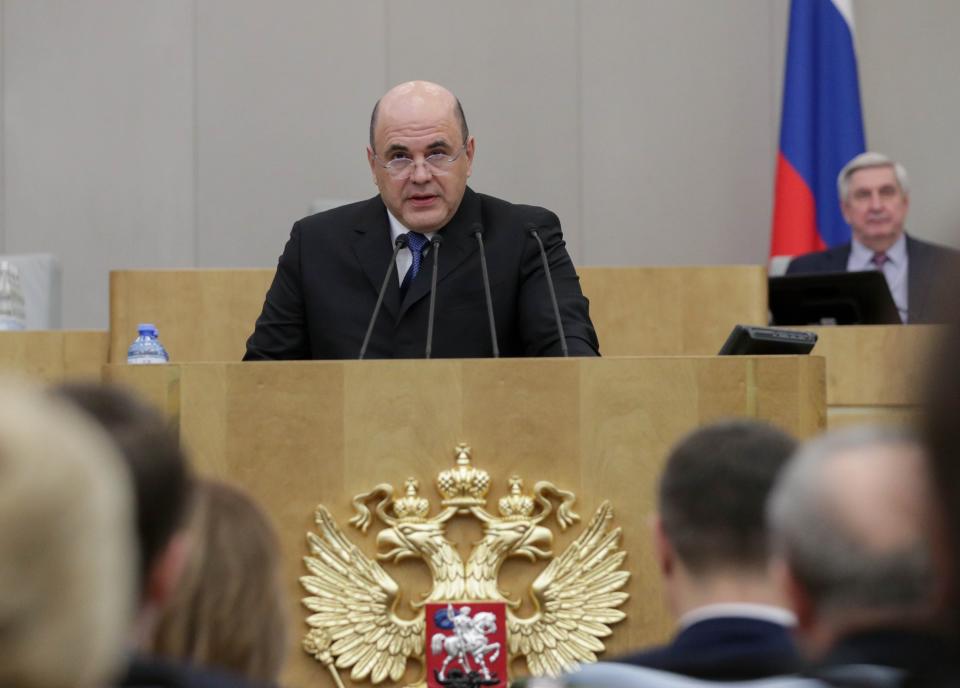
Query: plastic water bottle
[(146, 348), (12, 313)]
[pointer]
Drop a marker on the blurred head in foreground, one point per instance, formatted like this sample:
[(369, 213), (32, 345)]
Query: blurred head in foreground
[(162, 484), (711, 532), (67, 549), (229, 608), (942, 438), (850, 525)]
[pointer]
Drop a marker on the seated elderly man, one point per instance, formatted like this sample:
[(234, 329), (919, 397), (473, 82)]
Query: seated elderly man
[(874, 198), (67, 551), (850, 532)]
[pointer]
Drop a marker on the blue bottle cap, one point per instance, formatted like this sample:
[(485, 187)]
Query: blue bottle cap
[(147, 328)]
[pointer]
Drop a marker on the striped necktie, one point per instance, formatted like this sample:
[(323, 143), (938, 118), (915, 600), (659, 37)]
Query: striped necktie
[(416, 242)]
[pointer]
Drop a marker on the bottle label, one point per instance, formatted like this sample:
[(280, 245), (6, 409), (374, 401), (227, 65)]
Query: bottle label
[(142, 360)]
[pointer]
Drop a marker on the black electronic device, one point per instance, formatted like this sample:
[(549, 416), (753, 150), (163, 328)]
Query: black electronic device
[(747, 340), (832, 298)]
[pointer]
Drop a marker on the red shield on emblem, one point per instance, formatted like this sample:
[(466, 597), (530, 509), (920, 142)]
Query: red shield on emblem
[(466, 644)]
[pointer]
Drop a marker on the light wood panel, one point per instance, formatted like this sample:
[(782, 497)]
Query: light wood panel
[(202, 315), (54, 355), (875, 373), (207, 315), (665, 311), (297, 434)]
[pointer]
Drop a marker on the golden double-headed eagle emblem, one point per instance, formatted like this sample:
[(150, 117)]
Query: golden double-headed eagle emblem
[(353, 602)]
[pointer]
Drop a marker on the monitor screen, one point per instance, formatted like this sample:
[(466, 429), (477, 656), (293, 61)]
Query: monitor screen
[(832, 298), (746, 340)]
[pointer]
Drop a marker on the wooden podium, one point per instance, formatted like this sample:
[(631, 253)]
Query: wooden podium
[(299, 434)]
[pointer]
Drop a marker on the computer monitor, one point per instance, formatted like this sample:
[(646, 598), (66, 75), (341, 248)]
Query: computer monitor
[(832, 298)]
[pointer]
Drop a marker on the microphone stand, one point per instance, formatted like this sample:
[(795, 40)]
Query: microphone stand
[(435, 244), (532, 231), (400, 243)]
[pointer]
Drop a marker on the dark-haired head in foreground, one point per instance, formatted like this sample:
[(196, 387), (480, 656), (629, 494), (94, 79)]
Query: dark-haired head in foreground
[(163, 486), (711, 545), (151, 448)]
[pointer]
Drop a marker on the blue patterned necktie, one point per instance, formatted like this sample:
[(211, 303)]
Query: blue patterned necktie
[(416, 242)]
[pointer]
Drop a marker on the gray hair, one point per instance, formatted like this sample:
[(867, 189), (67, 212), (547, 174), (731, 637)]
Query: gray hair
[(868, 160), (837, 569)]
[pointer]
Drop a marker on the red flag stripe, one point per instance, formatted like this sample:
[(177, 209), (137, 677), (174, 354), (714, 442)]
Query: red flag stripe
[(794, 214)]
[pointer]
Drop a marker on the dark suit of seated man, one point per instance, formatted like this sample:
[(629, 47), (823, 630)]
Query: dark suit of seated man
[(711, 546), (331, 271), (874, 199), (852, 538)]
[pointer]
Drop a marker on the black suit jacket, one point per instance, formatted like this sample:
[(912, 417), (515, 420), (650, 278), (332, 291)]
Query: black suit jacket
[(928, 266), (730, 648), (925, 658), (327, 280)]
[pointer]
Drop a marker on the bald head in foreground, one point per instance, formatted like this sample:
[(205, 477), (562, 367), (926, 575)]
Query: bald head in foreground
[(850, 526), (337, 263)]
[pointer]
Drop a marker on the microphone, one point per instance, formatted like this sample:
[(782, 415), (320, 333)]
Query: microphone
[(532, 231), (477, 231), (400, 243), (435, 243)]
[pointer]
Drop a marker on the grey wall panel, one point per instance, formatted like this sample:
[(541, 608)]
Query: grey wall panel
[(182, 132), (678, 133), (908, 73), (284, 97), (98, 139), (515, 68)]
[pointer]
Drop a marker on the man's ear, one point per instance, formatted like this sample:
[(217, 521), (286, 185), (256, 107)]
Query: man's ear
[(372, 162), (163, 576), (471, 151), (662, 549)]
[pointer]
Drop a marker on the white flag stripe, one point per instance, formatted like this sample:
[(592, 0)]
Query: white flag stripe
[(845, 8)]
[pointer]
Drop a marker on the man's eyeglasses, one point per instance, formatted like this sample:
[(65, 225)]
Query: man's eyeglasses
[(438, 163)]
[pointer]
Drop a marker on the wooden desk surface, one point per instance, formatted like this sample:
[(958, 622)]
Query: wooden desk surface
[(54, 355)]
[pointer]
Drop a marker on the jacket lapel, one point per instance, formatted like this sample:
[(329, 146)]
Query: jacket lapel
[(458, 245), (372, 247)]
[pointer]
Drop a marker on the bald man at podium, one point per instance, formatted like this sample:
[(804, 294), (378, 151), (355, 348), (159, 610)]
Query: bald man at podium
[(428, 267)]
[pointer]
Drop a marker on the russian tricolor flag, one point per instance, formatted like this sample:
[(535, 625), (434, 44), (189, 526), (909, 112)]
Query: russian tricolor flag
[(821, 127)]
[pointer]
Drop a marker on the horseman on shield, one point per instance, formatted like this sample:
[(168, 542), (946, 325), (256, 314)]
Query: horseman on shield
[(469, 638)]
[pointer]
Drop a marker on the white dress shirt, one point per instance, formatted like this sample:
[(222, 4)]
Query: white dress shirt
[(761, 612)]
